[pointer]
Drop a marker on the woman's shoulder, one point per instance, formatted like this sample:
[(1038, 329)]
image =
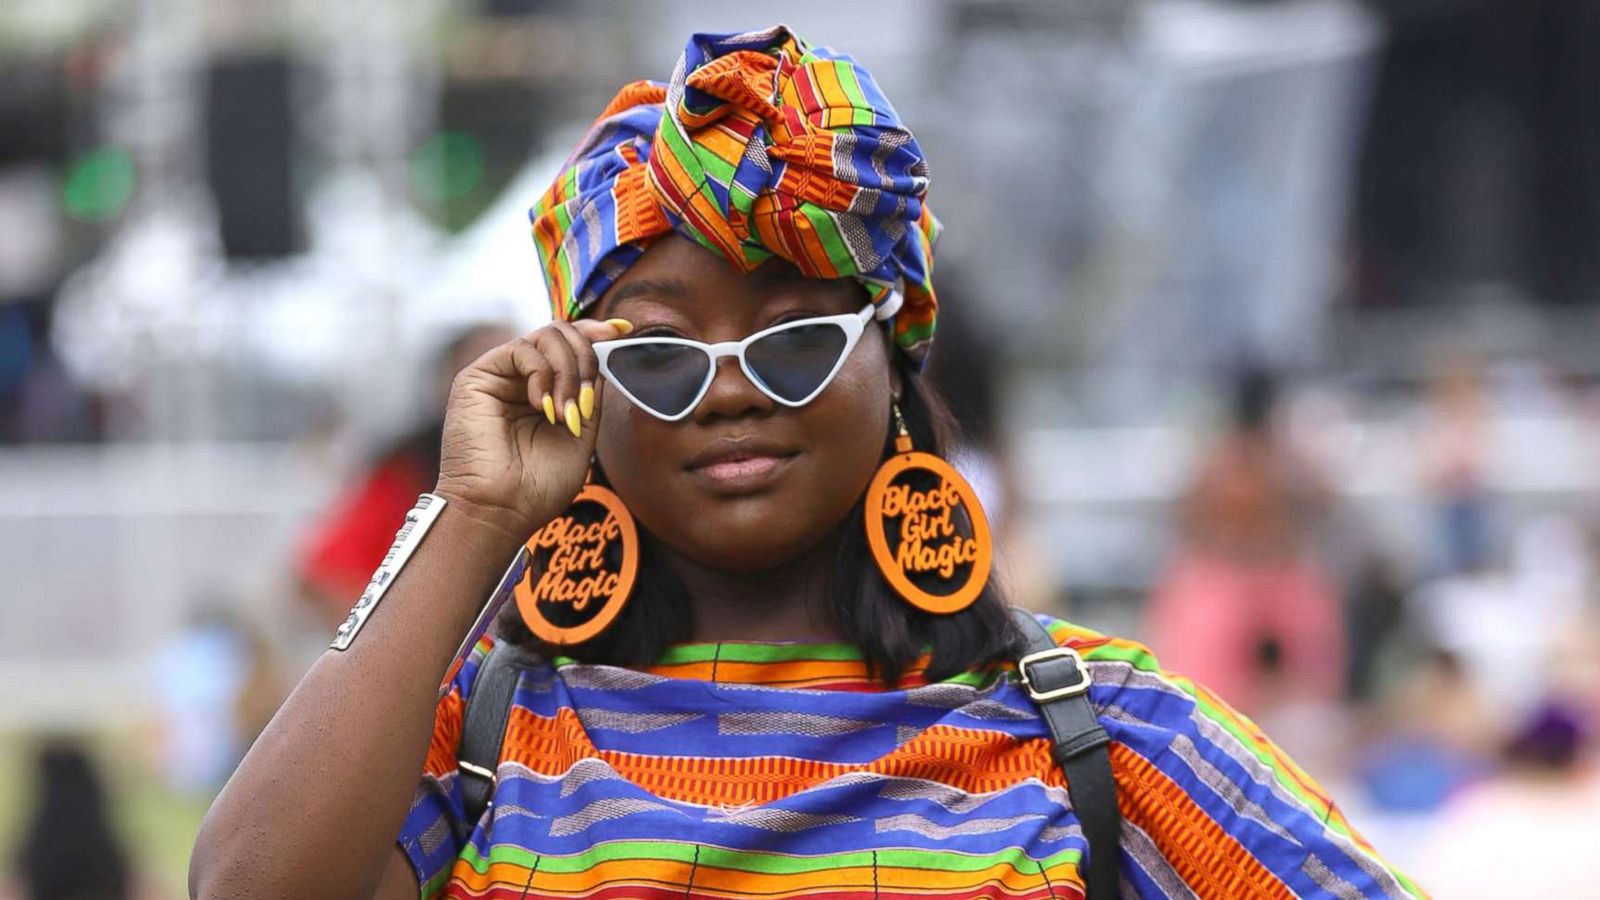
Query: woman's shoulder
[(1132, 692), (1147, 707), (1187, 763), (1105, 653)]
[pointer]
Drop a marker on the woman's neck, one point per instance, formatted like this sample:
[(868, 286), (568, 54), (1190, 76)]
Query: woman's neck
[(788, 603)]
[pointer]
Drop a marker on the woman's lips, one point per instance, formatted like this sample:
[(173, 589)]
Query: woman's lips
[(741, 476)]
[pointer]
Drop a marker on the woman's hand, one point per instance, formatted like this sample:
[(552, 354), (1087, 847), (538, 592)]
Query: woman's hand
[(354, 733), (519, 429)]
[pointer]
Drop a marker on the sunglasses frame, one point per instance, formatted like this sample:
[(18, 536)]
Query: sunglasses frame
[(853, 325)]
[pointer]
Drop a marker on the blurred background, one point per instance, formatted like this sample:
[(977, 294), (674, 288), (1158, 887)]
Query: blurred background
[(1275, 326)]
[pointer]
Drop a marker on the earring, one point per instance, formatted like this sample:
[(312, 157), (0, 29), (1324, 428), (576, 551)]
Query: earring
[(581, 568), (927, 531)]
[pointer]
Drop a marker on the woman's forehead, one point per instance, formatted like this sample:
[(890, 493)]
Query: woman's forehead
[(679, 274)]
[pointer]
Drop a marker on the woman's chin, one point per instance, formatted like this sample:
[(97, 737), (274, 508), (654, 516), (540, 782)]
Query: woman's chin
[(744, 542)]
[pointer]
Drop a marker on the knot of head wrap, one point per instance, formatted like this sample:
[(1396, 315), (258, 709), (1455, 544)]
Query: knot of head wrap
[(760, 146)]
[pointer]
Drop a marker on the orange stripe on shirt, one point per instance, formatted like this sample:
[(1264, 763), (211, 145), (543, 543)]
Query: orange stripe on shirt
[(441, 758), (972, 760), (1208, 859)]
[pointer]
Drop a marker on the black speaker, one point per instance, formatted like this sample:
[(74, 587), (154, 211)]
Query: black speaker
[(250, 157), (33, 109)]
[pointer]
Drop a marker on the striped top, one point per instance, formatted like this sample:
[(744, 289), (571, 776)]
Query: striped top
[(783, 770)]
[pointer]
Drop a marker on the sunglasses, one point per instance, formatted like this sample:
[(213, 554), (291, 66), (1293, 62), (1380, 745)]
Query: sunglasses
[(791, 363)]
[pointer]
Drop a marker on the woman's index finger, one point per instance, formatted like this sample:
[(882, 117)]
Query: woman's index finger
[(602, 329)]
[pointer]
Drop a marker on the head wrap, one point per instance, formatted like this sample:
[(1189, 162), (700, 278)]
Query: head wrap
[(760, 146)]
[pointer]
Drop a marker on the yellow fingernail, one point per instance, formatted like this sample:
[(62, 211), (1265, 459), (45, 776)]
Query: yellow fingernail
[(586, 401), (550, 409), (573, 423), (622, 325)]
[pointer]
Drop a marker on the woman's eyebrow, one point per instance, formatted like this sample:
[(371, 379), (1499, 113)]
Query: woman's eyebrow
[(670, 288)]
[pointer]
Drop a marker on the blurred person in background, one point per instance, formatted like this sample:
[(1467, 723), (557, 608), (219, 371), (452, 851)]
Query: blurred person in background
[(69, 848), (1506, 617), (38, 400), (1245, 606), (1434, 735), (1518, 629), (348, 540), (1532, 830), (1455, 448), (217, 682), (774, 710), (1375, 619)]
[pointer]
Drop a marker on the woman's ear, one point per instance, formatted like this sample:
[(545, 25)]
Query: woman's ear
[(897, 385)]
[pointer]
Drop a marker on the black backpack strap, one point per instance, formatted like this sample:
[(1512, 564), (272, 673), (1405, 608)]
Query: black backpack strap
[(1058, 681), (484, 726)]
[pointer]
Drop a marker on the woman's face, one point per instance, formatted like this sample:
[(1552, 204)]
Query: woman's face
[(743, 483)]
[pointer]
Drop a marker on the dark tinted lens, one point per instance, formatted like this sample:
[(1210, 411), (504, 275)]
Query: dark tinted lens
[(664, 377), (793, 362)]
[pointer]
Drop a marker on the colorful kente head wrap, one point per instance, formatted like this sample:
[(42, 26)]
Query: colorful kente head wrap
[(760, 146)]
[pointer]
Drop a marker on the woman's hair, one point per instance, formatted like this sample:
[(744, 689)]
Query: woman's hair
[(890, 633)]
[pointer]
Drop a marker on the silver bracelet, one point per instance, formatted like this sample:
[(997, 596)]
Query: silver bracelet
[(406, 540)]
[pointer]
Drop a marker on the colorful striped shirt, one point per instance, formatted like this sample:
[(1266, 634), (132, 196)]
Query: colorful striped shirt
[(784, 770)]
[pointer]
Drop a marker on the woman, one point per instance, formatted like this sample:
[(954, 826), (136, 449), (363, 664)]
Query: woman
[(760, 718), (1244, 606)]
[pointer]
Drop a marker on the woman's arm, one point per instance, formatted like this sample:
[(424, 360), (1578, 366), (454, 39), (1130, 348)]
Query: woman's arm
[(399, 880), (318, 802), (314, 808)]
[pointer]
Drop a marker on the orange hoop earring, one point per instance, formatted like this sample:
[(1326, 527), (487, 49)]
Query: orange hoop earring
[(927, 531), (581, 569)]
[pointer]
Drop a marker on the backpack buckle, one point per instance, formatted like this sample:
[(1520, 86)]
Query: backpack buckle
[(1043, 692), (480, 772)]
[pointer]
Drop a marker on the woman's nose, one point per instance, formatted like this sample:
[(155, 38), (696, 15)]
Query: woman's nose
[(731, 394)]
